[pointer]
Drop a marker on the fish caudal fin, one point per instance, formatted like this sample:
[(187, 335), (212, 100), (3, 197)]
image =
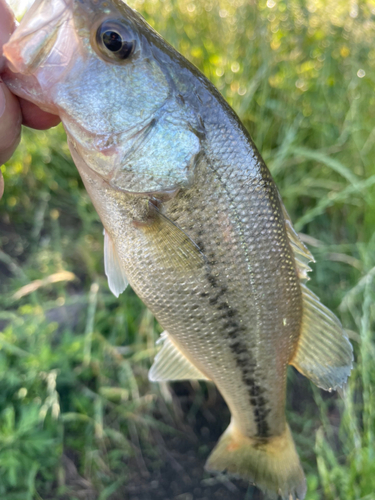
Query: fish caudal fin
[(272, 463), (324, 353)]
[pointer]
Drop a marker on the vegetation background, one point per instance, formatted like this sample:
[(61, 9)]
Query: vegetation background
[(78, 418)]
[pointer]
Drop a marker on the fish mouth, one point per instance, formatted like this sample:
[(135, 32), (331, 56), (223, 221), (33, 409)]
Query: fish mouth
[(35, 37)]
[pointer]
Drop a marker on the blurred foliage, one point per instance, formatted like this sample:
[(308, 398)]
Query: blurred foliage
[(74, 360)]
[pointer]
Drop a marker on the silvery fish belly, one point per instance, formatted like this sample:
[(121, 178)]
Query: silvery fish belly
[(193, 221)]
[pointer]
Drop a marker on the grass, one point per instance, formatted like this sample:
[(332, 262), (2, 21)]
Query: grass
[(74, 360)]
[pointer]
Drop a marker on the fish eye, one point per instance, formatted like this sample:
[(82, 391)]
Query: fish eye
[(115, 41)]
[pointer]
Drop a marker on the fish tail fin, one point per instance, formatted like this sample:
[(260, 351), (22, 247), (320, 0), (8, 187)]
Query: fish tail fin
[(272, 463)]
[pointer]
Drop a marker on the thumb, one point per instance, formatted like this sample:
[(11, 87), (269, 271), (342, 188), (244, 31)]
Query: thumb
[(7, 26), (10, 123)]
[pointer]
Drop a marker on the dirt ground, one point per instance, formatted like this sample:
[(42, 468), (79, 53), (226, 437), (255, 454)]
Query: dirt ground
[(179, 473)]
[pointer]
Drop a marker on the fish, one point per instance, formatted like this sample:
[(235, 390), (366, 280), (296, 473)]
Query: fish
[(193, 221)]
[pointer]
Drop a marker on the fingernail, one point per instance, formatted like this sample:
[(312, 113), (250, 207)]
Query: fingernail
[(3, 101)]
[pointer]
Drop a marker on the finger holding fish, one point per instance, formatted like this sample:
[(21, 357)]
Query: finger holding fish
[(14, 111), (10, 113)]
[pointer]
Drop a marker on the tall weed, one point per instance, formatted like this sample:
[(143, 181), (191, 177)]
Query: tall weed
[(75, 403)]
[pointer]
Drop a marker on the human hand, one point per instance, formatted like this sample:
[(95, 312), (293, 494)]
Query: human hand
[(15, 111)]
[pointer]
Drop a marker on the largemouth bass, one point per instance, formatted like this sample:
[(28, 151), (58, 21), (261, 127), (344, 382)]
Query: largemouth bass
[(193, 221)]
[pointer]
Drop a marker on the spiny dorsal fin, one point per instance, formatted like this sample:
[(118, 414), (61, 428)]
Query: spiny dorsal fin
[(117, 280), (302, 254), (324, 353), (171, 364)]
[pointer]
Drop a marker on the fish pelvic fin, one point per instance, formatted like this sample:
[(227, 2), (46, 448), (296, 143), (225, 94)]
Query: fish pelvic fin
[(117, 280), (324, 353), (272, 463), (171, 364)]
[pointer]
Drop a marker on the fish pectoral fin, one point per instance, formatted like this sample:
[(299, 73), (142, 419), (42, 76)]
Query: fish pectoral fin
[(324, 353), (171, 364), (174, 247), (117, 280)]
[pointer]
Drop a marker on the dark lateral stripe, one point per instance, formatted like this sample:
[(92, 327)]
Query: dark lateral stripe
[(234, 331)]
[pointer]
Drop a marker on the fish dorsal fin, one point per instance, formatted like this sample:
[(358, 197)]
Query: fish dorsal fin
[(171, 364), (117, 280), (324, 353), (302, 254)]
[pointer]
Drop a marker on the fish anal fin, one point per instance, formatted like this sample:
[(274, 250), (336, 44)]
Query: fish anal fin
[(171, 364), (174, 247), (324, 353), (114, 271)]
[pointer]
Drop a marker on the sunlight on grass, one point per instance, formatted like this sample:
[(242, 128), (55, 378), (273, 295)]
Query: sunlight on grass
[(76, 407)]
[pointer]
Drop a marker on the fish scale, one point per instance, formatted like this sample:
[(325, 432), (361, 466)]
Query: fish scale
[(248, 298), (193, 221)]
